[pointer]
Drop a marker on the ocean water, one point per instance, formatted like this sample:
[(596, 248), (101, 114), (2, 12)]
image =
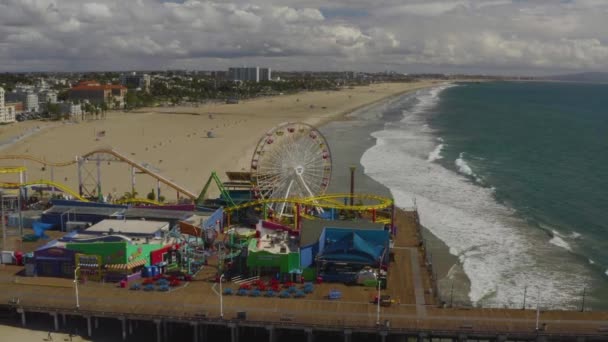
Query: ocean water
[(513, 178)]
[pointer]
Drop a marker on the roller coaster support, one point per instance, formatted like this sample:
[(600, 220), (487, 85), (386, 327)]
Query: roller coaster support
[(99, 194), (79, 160), (52, 180), (393, 227), (352, 184), (158, 190), (132, 179), (296, 217)]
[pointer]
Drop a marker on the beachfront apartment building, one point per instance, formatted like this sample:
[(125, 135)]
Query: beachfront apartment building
[(47, 96), (71, 109), (27, 97), (94, 92), (7, 113), (136, 81), (250, 74)]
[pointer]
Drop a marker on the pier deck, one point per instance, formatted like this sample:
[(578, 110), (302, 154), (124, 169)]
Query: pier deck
[(409, 283)]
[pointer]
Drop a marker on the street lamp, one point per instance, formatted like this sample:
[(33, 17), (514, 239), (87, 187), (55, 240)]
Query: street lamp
[(221, 297), (76, 286), (378, 305)]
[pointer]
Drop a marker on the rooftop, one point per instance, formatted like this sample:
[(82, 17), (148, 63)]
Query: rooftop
[(127, 227), (94, 85), (275, 242)]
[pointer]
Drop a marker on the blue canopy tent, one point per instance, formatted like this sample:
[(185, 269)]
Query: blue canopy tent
[(344, 252), (352, 248)]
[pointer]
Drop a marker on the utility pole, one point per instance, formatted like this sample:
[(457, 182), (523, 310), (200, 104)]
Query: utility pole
[(352, 184), (538, 309), (583, 305), (378, 306), (3, 224), (525, 292), (452, 294)]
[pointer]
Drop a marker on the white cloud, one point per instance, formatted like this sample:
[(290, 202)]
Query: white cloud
[(355, 34), (94, 11)]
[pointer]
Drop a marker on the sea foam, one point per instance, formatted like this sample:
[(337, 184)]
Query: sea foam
[(559, 242), (463, 167), (496, 255), (436, 153)]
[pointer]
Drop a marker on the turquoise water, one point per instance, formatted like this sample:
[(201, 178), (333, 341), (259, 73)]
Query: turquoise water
[(512, 177), (543, 147)]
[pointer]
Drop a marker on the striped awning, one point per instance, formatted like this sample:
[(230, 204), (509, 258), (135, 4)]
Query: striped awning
[(88, 265), (128, 266)]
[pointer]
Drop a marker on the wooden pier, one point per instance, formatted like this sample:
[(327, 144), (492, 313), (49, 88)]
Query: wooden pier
[(416, 313)]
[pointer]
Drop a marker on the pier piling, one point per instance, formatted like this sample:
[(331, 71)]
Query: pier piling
[(310, 337), (348, 335), (234, 332), (271, 335), (55, 320), (89, 330), (158, 332), (194, 332), (124, 328), (22, 312)]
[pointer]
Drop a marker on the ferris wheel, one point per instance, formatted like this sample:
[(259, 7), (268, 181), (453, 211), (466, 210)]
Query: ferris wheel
[(291, 160)]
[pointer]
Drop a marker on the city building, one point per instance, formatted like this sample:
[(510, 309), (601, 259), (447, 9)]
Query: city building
[(265, 74), (136, 81), (250, 74), (7, 111), (68, 108), (47, 96), (96, 93), (17, 105), (27, 97)]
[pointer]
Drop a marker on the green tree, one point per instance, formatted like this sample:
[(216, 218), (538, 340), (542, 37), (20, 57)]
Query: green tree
[(151, 195), (131, 100), (53, 110)]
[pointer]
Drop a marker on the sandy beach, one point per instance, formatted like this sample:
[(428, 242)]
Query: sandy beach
[(174, 142), (10, 333)]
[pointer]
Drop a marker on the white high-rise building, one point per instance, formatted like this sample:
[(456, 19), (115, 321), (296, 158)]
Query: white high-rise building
[(253, 74), (265, 74), (136, 81)]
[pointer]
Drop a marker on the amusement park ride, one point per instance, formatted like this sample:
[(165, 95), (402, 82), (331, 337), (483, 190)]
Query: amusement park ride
[(290, 171)]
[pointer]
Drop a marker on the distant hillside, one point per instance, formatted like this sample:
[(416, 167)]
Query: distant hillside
[(587, 77)]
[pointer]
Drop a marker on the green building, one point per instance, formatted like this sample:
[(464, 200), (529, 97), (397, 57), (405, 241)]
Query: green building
[(271, 255)]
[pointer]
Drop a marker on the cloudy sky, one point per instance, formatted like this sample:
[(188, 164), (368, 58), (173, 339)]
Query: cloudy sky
[(486, 36)]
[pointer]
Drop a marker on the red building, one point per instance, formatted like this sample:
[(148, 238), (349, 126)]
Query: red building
[(113, 95)]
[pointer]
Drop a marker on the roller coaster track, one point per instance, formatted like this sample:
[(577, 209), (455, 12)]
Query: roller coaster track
[(138, 201), (55, 185), (326, 201), (113, 153), (18, 169)]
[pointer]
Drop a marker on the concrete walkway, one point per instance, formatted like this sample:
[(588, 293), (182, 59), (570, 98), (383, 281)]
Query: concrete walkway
[(418, 288)]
